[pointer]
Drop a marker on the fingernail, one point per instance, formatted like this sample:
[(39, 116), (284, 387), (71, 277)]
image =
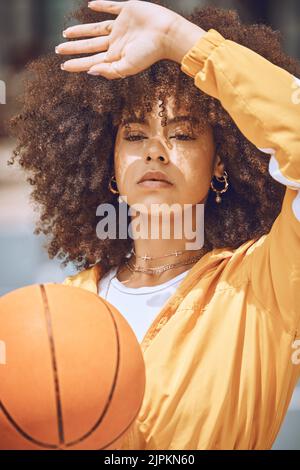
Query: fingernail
[(62, 66), (90, 4), (93, 72), (64, 34), (56, 50)]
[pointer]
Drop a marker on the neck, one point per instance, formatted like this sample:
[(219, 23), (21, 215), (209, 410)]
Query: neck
[(162, 252), (161, 235), (158, 248)]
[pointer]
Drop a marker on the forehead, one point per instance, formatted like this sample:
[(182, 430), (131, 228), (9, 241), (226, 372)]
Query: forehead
[(174, 115), (165, 113), (147, 120)]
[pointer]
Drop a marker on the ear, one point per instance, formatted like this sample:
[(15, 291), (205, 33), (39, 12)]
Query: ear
[(218, 167)]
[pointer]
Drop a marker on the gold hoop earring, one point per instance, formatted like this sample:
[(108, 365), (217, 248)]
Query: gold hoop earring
[(112, 190), (222, 179)]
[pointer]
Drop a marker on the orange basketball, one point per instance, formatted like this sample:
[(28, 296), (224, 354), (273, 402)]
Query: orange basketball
[(72, 374)]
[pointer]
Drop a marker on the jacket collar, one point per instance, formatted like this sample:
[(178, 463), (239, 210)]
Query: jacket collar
[(210, 262), (89, 278)]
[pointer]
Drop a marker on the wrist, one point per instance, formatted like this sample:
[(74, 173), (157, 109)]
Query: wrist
[(180, 38)]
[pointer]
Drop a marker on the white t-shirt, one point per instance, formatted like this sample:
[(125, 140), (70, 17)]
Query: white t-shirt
[(139, 305)]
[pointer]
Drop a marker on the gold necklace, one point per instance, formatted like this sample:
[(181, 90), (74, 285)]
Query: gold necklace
[(145, 257), (160, 269)]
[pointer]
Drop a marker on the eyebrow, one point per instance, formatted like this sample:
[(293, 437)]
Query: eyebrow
[(134, 119)]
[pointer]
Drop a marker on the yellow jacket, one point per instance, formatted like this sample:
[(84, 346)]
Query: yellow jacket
[(219, 368)]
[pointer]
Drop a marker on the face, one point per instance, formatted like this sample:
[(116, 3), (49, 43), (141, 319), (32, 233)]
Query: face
[(182, 150)]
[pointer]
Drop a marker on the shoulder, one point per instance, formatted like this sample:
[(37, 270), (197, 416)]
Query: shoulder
[(87, 279)]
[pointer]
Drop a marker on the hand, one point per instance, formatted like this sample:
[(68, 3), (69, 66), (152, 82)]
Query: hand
[(142, 34)]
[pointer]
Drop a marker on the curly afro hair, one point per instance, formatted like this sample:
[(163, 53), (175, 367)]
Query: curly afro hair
[(67, 128)]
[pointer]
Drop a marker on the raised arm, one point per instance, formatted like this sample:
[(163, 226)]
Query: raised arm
[(263, 100)]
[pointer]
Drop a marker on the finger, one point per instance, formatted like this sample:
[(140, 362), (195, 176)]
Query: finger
[(107, 6), (112, 55), (114, 52), (83, 64), (83, 46), (89, 29), (119, 69)]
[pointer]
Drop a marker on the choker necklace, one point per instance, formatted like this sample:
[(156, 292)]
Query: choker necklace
[(145, 257)]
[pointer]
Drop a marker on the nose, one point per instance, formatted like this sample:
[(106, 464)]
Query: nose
[(157, 153), (157, 157)]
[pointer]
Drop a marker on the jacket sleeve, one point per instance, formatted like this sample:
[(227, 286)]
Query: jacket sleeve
[(264, 102)]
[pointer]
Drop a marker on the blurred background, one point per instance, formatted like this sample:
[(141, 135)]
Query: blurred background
[(29, 28)]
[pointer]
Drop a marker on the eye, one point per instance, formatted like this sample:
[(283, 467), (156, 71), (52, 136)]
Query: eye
[(133, 137), (182, 137), (136, 137)]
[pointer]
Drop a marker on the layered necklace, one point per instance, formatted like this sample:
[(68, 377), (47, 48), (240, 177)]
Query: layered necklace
[(159, 269)]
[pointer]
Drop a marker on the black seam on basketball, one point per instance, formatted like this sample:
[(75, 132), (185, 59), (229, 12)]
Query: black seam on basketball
[(133, 419), (124, 431), (54, 365), (23, 433), (87, 434)]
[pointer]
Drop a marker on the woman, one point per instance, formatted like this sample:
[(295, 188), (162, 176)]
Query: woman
[(222, 347)]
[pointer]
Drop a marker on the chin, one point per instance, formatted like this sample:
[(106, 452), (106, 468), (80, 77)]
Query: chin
[(158, 199)]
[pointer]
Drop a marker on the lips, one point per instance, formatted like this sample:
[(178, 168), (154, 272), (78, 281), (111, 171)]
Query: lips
[(155, 176)]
